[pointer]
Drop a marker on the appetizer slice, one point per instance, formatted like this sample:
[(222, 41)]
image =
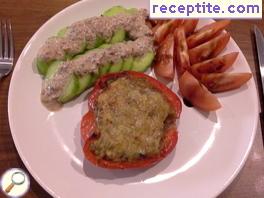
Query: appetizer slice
[(189, 25), (220, 82), (163, 65), (131, 121), (206, 33), (218, 64), (209, 49), (115, 25), (161, 32), (181, 56), (197, 94), (66, 80)]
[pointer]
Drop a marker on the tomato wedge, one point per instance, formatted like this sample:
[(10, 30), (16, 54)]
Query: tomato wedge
[(164, 29), (215, 65), (163, 65), (209, 49), (206, 33), (189, 25), (197, 94), (224, 81), (182, 61), (89, 133)]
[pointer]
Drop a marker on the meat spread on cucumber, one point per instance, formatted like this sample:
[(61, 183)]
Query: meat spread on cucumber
[(72, 61)]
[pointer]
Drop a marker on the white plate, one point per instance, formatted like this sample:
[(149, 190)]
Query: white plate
[(211, 150)]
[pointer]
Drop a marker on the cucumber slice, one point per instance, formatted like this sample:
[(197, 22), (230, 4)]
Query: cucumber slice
[(53, 68), (94, 78), (104, 46), (70, 90), (42, 66), (119, 36), (84, 83), (104, 69), (99, 41), (127, 64), (116, 67), (114, 11), (132, 10), (141, 64), (62, 32)]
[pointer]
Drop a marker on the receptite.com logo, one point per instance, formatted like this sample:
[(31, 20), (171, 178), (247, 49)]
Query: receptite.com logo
[(15, 182)]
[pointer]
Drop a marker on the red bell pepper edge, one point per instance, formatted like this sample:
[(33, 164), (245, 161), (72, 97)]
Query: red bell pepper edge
[(88, 124)]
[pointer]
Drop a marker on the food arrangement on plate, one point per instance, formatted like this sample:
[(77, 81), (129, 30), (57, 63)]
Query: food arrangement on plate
[(131, 117)]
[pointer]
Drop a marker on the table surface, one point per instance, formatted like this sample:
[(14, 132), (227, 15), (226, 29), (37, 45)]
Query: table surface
[(28, 15)]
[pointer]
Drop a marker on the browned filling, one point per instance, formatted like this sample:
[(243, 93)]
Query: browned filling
[(131, 117)]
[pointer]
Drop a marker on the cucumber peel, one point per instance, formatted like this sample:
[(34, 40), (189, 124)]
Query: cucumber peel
[(62, 32), (42, 66), (53, 68), (116, 67), (70, 90), (84, 83), (114, 11), (127, 64), (141, 64), (119, 36), (104, 46), (104, 69)]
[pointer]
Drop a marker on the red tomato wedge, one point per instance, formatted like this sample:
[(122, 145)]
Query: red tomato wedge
[(89, 132), (163, 65), (189, 25), (215, 65), (87, 125), (197, 94), (219, 82), (164, 29), (206, 33), (182, 61), (209, 49)]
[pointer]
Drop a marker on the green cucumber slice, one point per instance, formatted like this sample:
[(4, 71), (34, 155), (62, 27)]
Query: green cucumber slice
[(132, 10), (84, 83), (70, 90), (119, 36), (62, 32), (42, 66), (114, 11), (141, 64), (99, 41), (116, 67), (94, 78), (53, 68), (104, 46), (104, 69), (127, 64)]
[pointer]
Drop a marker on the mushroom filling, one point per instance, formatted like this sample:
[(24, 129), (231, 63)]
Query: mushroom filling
[(131, 120)]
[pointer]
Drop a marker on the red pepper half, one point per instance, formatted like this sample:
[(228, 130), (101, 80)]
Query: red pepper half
[(88, 124)]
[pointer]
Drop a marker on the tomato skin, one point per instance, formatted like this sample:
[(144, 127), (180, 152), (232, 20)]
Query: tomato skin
[(206, 33), (181, 56), (164, 28), (189, 25), (209, 49), (196, 93), (88, 128), (87, 125), (220, 82), (163, 65), (215, 65)]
